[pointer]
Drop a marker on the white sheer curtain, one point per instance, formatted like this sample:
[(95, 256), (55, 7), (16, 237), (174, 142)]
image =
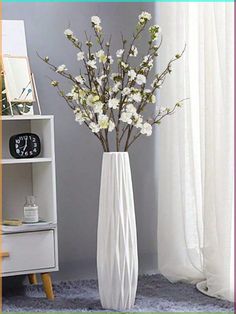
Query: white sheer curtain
[(195, 148)]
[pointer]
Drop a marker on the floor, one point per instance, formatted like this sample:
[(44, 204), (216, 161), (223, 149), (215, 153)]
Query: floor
[(155, 294)]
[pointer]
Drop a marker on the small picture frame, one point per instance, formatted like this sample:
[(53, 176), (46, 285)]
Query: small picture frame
[(18, 86)]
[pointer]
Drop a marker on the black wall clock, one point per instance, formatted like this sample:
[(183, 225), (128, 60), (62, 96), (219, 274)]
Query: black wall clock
[(25, 145)]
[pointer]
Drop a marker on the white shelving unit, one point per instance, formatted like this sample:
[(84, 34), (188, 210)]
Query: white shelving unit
[(29, 250)]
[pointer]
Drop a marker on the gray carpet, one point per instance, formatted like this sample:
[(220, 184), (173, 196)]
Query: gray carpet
[(155, 294)]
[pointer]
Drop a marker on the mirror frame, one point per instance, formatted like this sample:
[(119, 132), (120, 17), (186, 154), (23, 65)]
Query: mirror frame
[(7, 81)]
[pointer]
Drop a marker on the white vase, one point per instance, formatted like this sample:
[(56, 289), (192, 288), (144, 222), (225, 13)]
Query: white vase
[(117, 259)]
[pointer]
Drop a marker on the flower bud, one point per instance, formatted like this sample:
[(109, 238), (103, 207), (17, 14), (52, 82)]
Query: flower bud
[(54, 83)]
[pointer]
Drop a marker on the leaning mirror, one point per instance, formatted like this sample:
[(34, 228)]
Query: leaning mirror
[(18, 85)]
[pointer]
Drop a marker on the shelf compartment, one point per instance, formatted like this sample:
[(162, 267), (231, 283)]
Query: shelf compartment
[(39, 125), (20, 180), (10, 161)]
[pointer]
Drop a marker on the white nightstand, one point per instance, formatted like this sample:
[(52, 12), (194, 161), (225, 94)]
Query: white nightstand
[(30, 250)]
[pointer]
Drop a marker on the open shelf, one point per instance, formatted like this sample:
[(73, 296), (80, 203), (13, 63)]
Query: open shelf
[(29, 176), (40, 125), (11, 161)]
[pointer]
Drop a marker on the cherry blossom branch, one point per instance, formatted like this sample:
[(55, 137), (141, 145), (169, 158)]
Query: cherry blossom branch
[(108, 101), (156, 121)]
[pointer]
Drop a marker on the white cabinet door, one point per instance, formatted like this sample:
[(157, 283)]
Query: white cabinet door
[(28, 251)]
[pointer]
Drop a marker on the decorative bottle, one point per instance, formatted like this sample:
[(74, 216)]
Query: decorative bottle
[(31, 210)]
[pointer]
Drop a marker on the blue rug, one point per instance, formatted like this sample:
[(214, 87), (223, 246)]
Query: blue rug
[(155, 294)]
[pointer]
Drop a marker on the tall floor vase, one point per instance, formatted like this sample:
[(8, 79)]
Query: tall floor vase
[(117, 259)]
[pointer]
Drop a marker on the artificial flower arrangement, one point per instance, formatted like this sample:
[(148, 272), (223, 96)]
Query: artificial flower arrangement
[(110, 102)]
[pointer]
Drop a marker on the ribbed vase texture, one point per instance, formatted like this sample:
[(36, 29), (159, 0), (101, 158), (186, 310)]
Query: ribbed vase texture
[(117, 259)]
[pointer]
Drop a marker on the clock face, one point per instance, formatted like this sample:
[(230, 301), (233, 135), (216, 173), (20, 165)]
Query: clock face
[(25, 145)]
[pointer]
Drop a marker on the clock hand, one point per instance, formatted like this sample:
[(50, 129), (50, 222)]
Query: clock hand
[(25, 145)]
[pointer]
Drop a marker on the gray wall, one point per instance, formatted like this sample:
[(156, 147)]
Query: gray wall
[(78, 154)]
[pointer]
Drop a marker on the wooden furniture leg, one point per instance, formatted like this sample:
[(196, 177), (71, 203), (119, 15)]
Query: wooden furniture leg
[(32, 279), (47, 285)]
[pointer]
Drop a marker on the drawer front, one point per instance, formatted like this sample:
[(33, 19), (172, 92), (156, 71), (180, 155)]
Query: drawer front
[(28, 251)]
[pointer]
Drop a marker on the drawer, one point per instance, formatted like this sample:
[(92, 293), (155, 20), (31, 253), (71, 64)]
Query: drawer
[(28, 251)]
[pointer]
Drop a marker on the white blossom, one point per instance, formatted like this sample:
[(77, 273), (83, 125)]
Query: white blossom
[(140, 79), (116, 86), (147, 62), (124, 65), (153, 99), (100, 79), (146, 129), (94, 127), (115, 76), (96, 20), (150, 63), (92, 64), (159, 28), (79, 117), (98, 106), (138, 120), (75, 96), (113, 103), (119, 53), (126, 117), (154, 83), (147, 91), (110, 59), (69, 96), (136, 97), (146, 58), (98, 28), (134, 51), (90, 100), (80, 79), (131, 75), (103, 121), (80, 55), (68, 32), (101, 56), (82, 94), (144, 16), (126, 91), (130, 108), (61, 68), (111, 126), (154, 30)]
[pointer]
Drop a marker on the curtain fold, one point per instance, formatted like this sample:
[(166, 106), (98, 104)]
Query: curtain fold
[(195, 148)]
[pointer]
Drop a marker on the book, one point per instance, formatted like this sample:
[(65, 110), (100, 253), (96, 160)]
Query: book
[(25, 227), (12, 222)]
